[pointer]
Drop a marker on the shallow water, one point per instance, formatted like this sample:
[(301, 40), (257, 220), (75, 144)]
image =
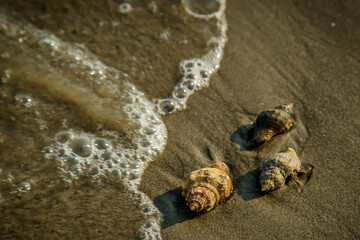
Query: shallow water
[(82, 90)]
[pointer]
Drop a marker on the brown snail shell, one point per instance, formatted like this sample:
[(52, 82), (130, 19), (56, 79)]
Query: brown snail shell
[(272, 122), (276, 169), (205, 188)]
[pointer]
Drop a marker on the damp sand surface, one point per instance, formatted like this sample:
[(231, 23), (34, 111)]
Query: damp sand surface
[(277, 52)]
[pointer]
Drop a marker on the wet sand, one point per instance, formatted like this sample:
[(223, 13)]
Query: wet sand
[(278, 52)]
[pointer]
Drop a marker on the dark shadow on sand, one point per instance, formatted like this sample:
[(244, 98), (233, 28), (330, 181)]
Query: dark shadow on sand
[(242, 137), (249, 186), (172, 205)]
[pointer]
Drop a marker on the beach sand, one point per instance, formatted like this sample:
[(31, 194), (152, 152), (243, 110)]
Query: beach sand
[(278, 52)]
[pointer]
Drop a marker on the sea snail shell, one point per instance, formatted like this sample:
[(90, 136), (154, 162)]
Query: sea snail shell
[(205, 188), (271, 122), (275, 169)]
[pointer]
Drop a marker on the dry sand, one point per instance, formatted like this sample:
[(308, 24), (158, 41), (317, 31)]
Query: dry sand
[(278, 52)]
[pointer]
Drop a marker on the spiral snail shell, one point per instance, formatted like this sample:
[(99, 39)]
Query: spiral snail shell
[(276, 169), (205, 188), (272, 122)]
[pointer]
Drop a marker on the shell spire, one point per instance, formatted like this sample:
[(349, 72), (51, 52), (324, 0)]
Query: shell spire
[(276, 169), (206, 187), (272, 122)]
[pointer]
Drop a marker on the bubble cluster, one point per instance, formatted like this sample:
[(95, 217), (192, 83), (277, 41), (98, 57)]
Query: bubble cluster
[(107, 155), (8, 182), (105, 94), (196, 72), (151, 226)]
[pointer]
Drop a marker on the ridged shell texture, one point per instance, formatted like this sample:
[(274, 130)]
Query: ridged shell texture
[(275, 169), (272, 122), (205, 188)]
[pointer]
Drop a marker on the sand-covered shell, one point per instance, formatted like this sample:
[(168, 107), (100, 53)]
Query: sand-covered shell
[(272, 122), (205, 188), (276, 169)]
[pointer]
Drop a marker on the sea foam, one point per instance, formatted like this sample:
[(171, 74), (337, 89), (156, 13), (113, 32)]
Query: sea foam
[(196, 72), (131, 132), (106, 95)]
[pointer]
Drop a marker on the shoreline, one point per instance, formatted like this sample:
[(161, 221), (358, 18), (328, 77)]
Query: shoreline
[(274, 55)]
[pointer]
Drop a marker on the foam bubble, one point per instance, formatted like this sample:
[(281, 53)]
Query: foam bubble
[(82, 152), (106, 155), (81, 146), (180, 92), (190, 85), (63, 136), (149, 130), (166, 106), (202, 8), (125, 8), (196, 72), (102, 144)]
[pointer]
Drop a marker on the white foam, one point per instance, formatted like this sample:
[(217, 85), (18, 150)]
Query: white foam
[(104, 156), (196, 72), (104, 93), (191, 7), (108, 95), (125, 8)]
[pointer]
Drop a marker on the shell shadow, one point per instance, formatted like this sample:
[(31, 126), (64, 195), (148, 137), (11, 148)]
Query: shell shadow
[(249, 186), (242, 137), (173, 207)]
